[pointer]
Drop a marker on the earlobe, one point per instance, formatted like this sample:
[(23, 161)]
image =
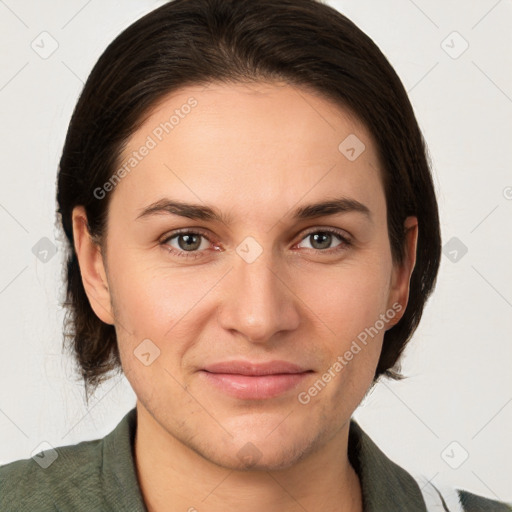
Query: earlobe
[(92, 268), (399, 292)]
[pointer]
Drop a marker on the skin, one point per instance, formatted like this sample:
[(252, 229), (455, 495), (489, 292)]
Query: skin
[(255, 152)]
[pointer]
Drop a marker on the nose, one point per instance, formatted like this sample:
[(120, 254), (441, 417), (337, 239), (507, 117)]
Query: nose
[(258, 300)]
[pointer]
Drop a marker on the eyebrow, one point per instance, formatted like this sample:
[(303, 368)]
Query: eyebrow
[(207, 213)]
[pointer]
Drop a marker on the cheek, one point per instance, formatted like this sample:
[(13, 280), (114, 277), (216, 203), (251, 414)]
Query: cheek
[(152, 299), (347, 299), (348, 303), (170, 307)]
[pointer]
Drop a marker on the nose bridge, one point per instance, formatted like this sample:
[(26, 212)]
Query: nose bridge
[(257, 304)]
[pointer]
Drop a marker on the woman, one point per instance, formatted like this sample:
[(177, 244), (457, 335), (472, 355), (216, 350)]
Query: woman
[(253, 234)]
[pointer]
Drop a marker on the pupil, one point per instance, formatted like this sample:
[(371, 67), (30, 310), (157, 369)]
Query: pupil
[(327, 239), (189, 243)]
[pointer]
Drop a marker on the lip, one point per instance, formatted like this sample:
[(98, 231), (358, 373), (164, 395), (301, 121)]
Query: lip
[(253, 368), (254, 381)]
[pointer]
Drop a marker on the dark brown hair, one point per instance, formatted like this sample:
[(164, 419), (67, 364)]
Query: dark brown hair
[(193, 42)]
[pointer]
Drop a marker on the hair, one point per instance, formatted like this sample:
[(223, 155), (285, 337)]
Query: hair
[(193, 42)]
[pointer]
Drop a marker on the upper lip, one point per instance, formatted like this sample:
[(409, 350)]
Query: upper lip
[(250, 368)]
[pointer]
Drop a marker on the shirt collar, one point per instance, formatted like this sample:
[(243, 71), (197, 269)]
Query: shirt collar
[(385, 485), (118, 466)]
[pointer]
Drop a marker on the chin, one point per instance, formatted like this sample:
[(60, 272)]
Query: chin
[(265, 452), (251, 458)]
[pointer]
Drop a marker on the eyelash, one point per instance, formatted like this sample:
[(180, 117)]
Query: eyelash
[(344, 245)]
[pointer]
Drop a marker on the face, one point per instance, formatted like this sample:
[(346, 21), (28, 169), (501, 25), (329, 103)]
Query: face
[(253, 317)]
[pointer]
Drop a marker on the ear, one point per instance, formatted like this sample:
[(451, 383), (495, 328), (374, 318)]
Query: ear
[(400, 281), (92, 268)]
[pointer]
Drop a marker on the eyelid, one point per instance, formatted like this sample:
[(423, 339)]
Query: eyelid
[(197, 231), (337, 231)]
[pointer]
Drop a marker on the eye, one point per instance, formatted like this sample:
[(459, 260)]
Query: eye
[(192, 244), (321, 240), (188, 244)]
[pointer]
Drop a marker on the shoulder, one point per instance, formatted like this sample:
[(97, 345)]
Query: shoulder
[(387, 486), (91, 475), (35, 483)]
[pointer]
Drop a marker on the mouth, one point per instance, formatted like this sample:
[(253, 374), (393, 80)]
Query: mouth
[(254, 381)]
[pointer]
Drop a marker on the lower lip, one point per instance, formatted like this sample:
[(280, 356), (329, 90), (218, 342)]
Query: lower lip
[(254, 387)]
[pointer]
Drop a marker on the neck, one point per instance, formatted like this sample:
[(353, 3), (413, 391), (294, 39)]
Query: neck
[(174, 477)]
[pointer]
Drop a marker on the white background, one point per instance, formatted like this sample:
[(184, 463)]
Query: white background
[(459, 385)]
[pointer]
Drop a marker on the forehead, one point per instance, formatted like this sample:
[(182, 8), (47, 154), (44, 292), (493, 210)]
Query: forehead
[(248, 145)]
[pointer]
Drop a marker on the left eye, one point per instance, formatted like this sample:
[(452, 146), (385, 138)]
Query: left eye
[(321, 240)]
